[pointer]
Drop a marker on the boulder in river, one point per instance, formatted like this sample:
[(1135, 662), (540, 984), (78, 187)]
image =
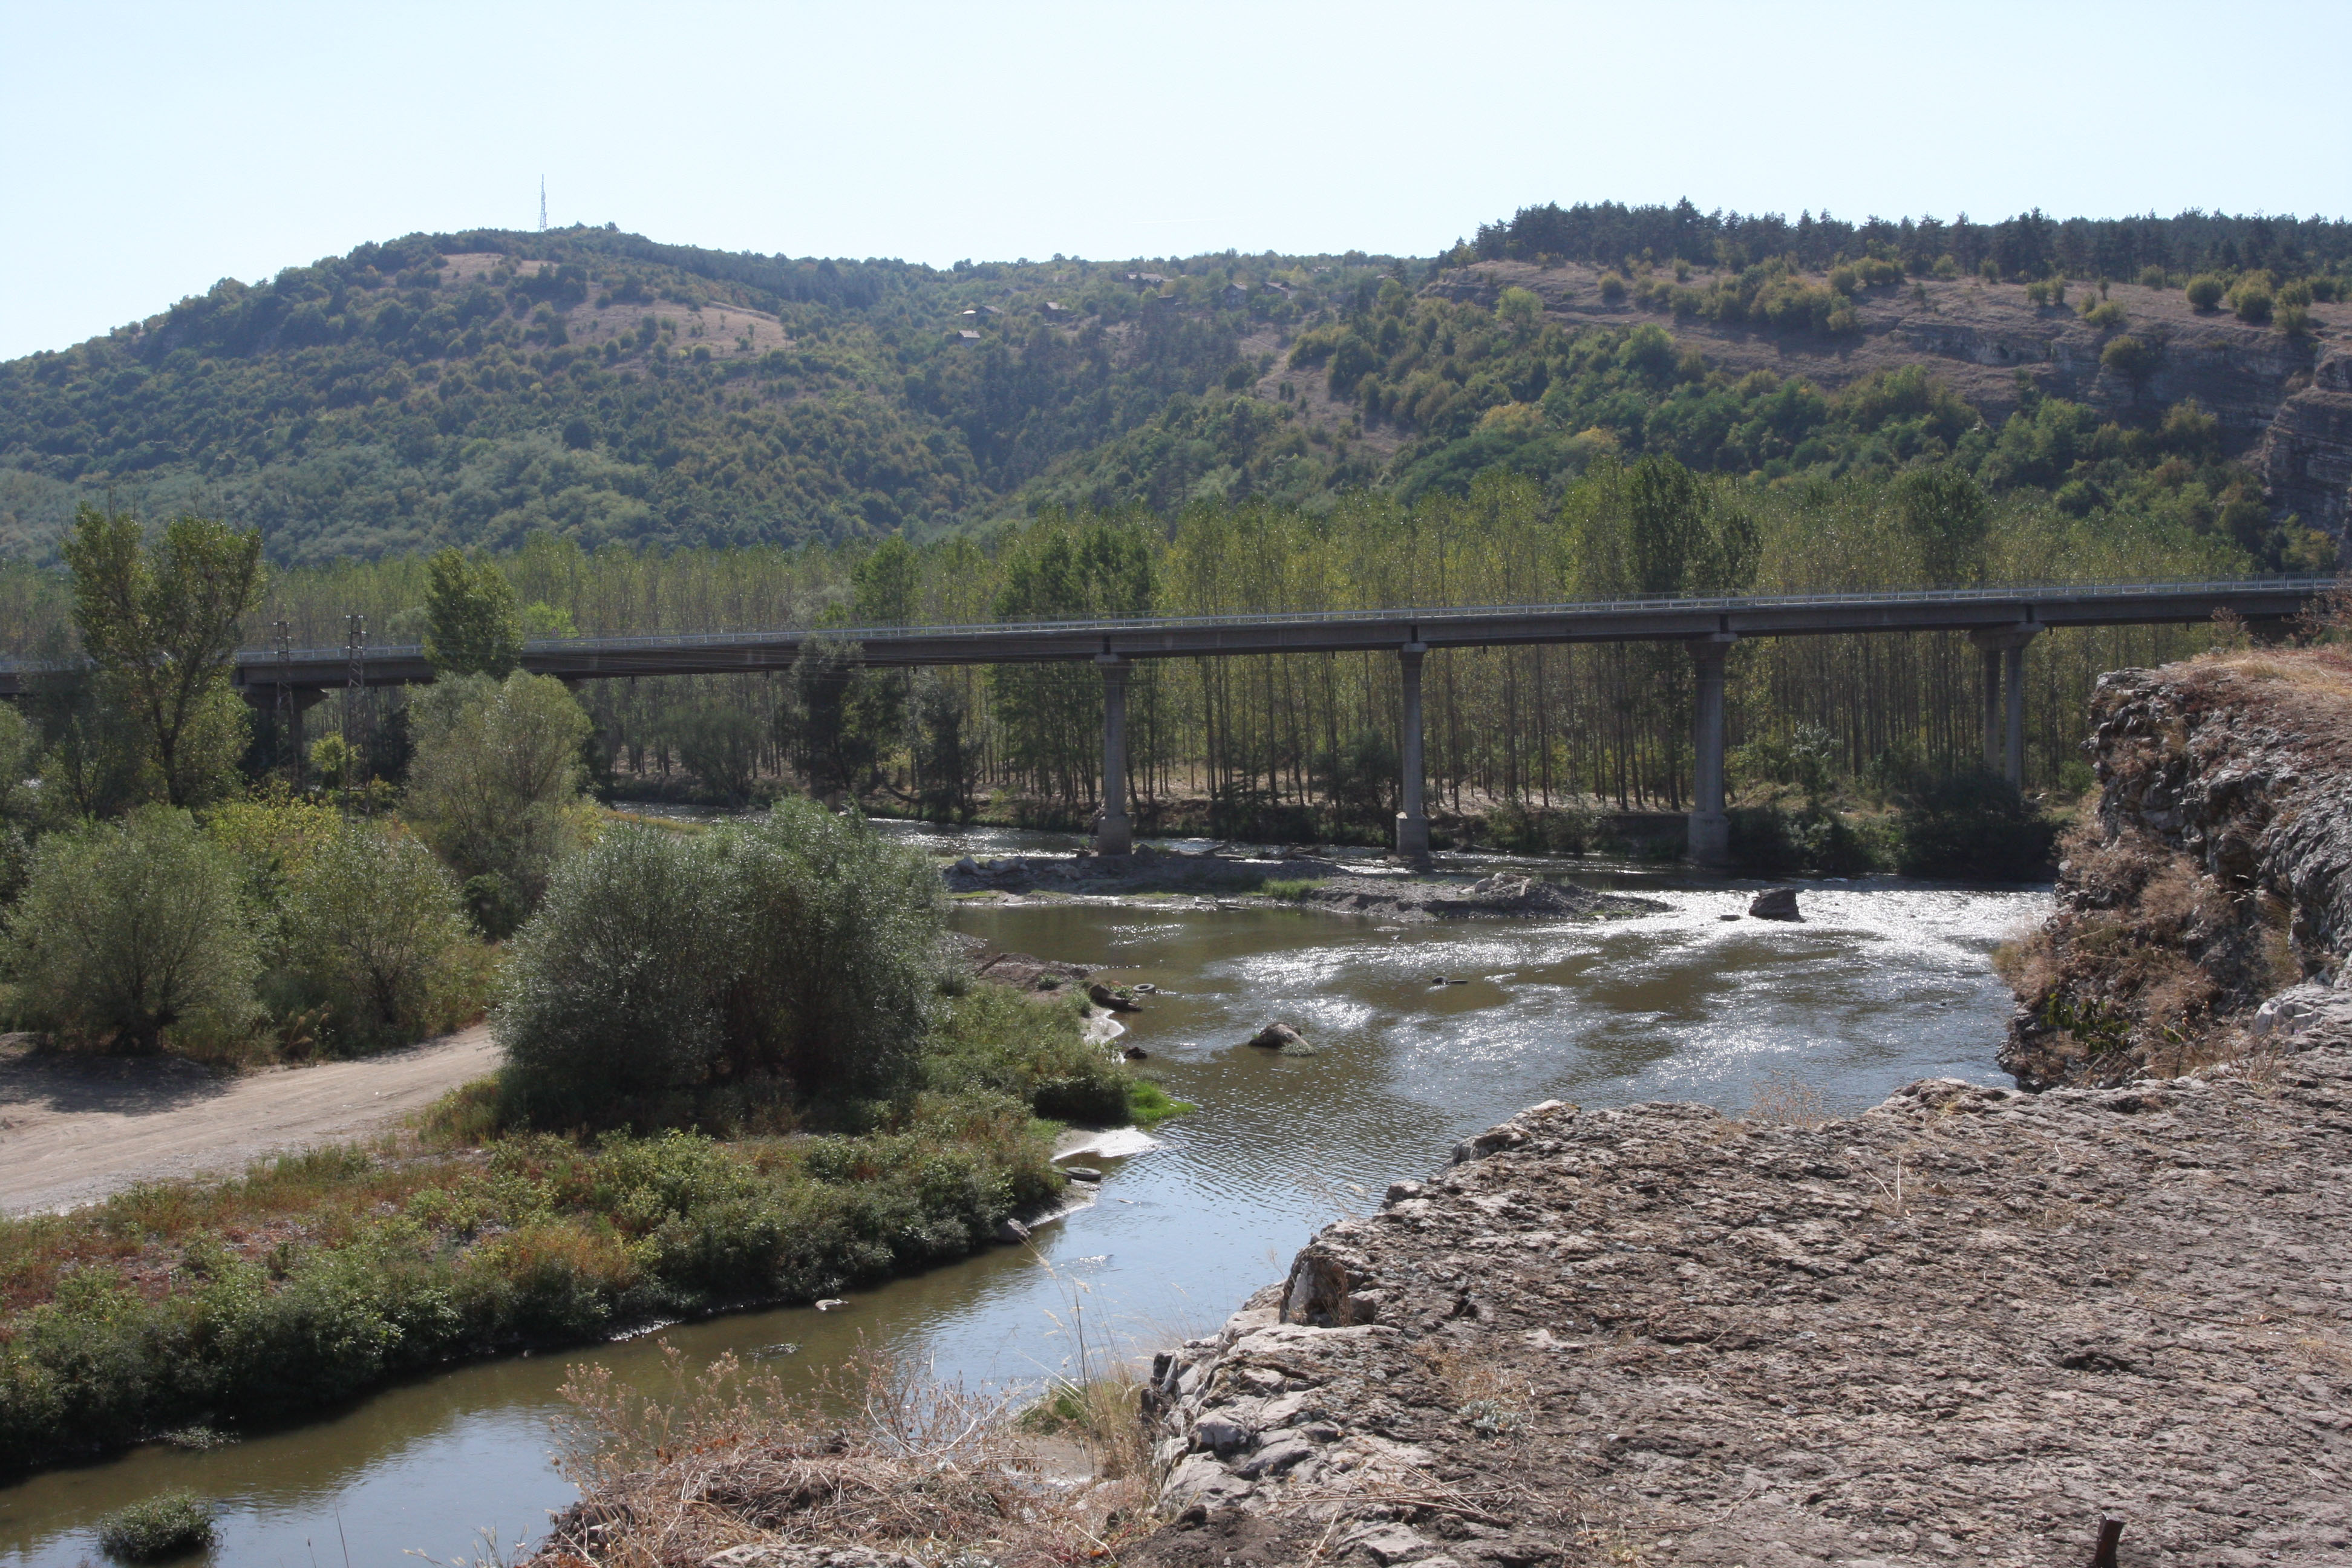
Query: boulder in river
[(1012, 1232), (1277, 1036), (1775, 904)]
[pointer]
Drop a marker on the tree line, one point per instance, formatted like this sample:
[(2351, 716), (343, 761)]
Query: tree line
[(1303, 746), (2025, 246)]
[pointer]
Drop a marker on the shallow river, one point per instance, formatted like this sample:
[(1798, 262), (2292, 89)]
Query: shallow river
[(1884, 983)]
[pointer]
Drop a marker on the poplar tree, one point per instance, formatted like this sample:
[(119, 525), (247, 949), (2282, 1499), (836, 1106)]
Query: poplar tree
[(162, 625)]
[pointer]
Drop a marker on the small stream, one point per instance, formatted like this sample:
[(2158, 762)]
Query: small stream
[(1884, 983)]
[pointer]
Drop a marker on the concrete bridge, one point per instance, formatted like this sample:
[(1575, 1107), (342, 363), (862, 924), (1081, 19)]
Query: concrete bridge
[(2001, 622)]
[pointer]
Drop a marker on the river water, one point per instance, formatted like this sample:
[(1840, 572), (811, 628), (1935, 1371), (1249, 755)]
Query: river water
[(1884, 982)]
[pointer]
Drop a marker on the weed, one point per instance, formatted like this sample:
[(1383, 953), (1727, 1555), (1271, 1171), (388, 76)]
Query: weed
[(170, 1525), (1294, 889), (1148, 1104)]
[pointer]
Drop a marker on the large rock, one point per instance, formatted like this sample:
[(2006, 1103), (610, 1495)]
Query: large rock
[(1775, 904), (1674, 1311), (1276, 1038)]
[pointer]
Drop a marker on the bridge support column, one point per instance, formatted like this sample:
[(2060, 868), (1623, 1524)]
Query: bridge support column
[(1710, 825), (1413, 821), (2003, 649), (1114, 832)]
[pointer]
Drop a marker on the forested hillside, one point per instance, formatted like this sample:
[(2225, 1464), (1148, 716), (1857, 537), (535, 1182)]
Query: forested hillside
[(477, 389)]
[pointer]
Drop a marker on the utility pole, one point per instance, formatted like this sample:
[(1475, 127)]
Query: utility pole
[(543, 204), (359, 706)]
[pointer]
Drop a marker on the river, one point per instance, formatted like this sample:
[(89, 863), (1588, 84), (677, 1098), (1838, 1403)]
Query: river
[(1884, 982)]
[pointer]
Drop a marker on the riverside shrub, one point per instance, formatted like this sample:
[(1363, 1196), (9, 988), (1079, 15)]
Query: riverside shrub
[(1973, 823), (128, 928), (373, 928), (679, 977), (397, 1264)]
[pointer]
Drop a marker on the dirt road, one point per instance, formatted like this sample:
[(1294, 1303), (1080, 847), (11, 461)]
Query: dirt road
[(73, 1130)]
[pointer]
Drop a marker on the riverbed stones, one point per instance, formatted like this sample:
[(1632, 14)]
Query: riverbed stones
[(1964, 1326), (758, 1556), (1774, 904)]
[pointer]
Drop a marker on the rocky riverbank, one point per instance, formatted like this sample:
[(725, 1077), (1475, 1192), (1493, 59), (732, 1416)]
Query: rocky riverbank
[(2214, 881), (1306, 880), (1966, 1326)]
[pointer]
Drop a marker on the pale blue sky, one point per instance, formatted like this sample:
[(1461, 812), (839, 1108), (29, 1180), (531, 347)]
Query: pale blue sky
[(147, 150)]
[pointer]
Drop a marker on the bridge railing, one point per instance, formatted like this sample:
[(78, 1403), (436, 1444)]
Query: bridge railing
[(2022, 593)]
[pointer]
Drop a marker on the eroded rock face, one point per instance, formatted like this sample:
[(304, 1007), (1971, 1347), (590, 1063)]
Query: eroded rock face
[(1962, 1327), (2219, 869), (2305, 454)]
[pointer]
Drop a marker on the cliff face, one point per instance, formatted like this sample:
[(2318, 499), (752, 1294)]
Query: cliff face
[(2215, 881), (1963, 1327), (2305, 452)]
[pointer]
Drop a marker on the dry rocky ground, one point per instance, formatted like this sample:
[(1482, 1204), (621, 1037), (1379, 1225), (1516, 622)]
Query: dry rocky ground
[(1964, 1327)]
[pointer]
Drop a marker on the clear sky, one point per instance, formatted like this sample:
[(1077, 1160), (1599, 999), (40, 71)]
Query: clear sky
[(148, 149)]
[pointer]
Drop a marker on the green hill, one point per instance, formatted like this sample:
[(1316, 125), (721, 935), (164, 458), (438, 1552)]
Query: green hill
[(480, 387)]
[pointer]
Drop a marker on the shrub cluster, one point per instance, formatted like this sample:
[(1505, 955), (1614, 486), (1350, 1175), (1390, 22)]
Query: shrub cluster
[(170, 1524), (677, 977)]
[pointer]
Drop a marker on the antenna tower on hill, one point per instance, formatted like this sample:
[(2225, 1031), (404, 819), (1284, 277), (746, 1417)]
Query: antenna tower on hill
[(543, 204)]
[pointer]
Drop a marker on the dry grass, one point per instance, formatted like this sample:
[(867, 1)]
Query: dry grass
[(1782, 1099), (874, 1456)]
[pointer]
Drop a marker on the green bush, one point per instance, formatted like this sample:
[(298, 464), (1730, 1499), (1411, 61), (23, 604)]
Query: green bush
[(373, 927), (1973, 823), (128, 928), (1769, 841), (2102, 313), (2205, 291), (2153, 277), (2132, 358), (790, 958), (170, 1525), (2295, 321), (2252, 302)]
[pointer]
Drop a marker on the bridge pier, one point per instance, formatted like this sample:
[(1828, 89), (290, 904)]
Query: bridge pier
[(1710, 825), (2003, 650), (1413, 821), (1114, 832)]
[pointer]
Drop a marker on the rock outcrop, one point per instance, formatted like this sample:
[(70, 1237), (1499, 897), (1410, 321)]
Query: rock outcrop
[(2217, 872), (1964, 1327)]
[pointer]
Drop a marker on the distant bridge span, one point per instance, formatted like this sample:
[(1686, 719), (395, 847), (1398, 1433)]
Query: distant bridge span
[(2001, 622)]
